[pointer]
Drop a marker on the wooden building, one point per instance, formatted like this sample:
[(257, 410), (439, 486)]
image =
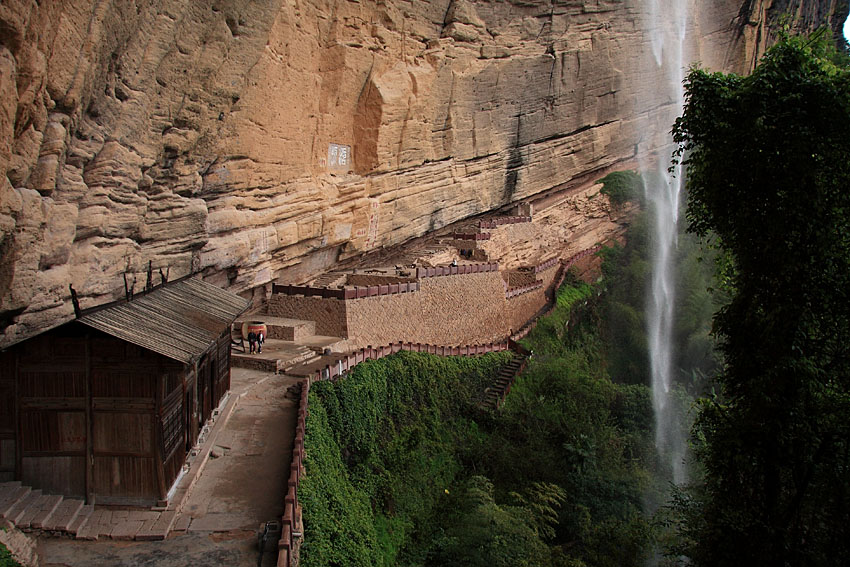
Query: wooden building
[(106, 407)]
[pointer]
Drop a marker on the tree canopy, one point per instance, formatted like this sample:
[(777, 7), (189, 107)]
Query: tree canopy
[(768, 158)]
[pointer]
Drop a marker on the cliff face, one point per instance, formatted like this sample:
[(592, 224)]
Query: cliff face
[(254, 140)]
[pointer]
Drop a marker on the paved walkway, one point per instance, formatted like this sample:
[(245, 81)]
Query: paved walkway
[(243, 484)]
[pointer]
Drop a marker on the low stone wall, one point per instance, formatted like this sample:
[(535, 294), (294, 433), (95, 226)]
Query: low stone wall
[(351, 292), (512, 292), (520, 308), (291, 526), (458, 305), (460, 270), (328, 313), (471, 235), (349, 361), (373, 279)]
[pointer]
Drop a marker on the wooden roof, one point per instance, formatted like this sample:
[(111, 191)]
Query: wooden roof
[(180, 320)]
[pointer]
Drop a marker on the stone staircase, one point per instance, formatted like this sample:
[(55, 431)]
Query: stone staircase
[(277, 356), (495, 394), (32, 511)]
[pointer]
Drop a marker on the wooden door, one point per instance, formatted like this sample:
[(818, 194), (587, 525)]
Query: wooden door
[(52, 397)]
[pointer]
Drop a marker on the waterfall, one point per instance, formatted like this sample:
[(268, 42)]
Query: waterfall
[(667, 23)]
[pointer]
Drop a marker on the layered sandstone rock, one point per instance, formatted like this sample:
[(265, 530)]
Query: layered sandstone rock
[(256, 140)]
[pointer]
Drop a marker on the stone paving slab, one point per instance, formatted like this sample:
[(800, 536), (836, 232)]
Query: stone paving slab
[(64, 514), (80, 520), (104, 528), (215, 522), (182, 523), (156, 529), (143, 515), (145, 532), (126, 529), (90, 530)]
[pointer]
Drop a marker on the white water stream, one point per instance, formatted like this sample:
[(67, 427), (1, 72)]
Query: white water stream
[(667, 25)]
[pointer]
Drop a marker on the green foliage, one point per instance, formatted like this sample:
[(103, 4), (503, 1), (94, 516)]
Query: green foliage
[(769, 165), (6, 559), (481, 533), (382, 449), (622, 186), (402, 469), (566, 424), (550, 336)]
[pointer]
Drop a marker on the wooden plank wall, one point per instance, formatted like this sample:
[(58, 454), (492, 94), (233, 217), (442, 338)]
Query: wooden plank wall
[(172, 422), (125, 428), (51, 402), (7, 416), (222, 368)]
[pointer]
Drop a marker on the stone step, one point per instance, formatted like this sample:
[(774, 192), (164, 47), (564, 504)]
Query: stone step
[(63, 515), (45, 508), (126, 524), (155, 530), (22, 506), (11, 498), (79, 522), (101, 523)]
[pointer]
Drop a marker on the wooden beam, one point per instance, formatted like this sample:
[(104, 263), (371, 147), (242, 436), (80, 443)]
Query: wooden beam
[(90, 493)]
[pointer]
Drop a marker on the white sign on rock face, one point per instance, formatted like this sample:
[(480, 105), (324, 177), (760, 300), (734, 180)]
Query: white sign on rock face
[(339, 156)]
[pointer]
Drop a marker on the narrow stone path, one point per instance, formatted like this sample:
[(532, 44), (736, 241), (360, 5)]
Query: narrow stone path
[(243, 483)]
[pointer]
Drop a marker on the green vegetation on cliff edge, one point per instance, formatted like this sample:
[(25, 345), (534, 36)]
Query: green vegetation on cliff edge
[(404, 469)]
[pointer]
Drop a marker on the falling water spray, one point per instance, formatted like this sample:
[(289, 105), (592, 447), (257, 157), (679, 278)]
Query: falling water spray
[(667, 24)]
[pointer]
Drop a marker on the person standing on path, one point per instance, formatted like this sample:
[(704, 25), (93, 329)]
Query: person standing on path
[(252, 342), (261, 338)]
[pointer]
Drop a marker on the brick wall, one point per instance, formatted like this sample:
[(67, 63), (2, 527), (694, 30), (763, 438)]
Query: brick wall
[(448, 310), (519, 309), (329, 314), (519, 279)]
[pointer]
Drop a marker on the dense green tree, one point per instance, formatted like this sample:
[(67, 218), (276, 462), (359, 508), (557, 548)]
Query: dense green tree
[(481, 533), (768, 159)]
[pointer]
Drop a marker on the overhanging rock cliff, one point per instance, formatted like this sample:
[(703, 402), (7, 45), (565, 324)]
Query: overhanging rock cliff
[(251, 141)]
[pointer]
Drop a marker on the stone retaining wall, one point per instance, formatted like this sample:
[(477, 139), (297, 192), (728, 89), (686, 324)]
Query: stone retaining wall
[(328, 313), (461, 309)]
